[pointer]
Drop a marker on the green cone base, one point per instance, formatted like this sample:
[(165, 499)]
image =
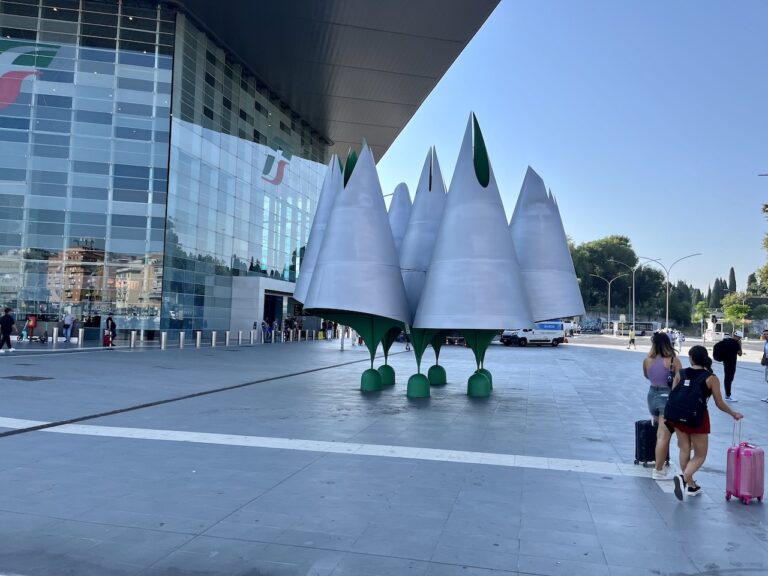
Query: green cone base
[(370, 381), (418, 386), (436, 375), (478, 386), (487, 375), (387, 375)]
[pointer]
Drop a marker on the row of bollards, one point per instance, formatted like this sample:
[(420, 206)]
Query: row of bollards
[(253, 338)]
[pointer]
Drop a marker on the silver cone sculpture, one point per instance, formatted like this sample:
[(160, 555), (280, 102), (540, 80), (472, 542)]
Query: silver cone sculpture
[(333, 183), (358, 282), (415, 256), (399, 213), (474, 282), (539, 239)]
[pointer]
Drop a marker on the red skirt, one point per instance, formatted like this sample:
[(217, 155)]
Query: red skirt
[(703, 428)]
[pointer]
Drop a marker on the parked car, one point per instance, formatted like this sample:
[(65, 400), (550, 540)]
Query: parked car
[(550, 332)]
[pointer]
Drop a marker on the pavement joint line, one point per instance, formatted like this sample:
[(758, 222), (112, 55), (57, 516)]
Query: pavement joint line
[(328, 447), (46, 425)]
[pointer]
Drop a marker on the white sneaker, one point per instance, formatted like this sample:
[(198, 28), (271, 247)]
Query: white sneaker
[(730, 399), (2, 350), (663, 474), (11, 349)]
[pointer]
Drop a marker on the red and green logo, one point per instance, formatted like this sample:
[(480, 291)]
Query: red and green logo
[(274, 173), (18, 61)]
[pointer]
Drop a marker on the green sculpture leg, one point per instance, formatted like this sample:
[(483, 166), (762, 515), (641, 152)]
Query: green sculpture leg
[(370, 381), (478, 386), (436, 373), (478, 341), (386, 371), (418, 384)]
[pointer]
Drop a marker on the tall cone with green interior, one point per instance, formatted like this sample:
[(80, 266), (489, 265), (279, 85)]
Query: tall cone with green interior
[(399, 213), (474, 282), (333, 183), (357, 280), (415, 256), (538, 237)]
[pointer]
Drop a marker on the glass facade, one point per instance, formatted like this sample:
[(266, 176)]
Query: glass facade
[(85, 97), (106, 205)]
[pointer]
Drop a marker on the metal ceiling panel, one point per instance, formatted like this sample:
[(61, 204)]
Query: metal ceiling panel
[(353, 69)]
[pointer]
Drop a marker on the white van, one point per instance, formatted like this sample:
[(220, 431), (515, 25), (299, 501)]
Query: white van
[(551, 332)]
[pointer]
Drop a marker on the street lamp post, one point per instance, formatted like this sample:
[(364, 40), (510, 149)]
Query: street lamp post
[(609, 282), (633, 269), (667, 270)]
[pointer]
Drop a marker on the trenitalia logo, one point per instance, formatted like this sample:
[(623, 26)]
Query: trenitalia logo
[(273, 173), (18, 61)]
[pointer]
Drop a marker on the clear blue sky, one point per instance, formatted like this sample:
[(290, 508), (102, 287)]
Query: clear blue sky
[(645, 118)]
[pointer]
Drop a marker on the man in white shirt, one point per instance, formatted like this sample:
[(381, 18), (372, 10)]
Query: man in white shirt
[(68, 321)]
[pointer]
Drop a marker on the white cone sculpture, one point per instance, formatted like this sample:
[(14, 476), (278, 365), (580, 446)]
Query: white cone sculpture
[(542, 250), (474, 281), (399, 213), (357, 278), (415, 256), (333, 183)]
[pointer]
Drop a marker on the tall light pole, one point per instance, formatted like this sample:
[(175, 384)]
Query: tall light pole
[(609, 282), (633, 269), (667, 270)]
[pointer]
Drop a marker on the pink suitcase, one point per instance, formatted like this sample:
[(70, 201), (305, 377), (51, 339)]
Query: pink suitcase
[(745, 473)]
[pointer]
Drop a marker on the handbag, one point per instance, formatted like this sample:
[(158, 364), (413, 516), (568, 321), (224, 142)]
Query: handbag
[(671, 373), (764, 360)]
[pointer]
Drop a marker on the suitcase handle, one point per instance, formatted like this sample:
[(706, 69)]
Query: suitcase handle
[(736, 426)]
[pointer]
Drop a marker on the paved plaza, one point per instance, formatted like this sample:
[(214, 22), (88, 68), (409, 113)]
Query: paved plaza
[(267, 460)]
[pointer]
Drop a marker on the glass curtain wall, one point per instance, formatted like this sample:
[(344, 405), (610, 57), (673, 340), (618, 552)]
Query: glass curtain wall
[(246, 173), (85, 97)]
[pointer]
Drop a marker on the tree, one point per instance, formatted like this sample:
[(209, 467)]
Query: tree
[(753, 288), (701, 313), (735, 310), (760, 312), (732, 280)]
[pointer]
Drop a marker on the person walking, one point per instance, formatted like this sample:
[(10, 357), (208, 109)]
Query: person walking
[(657, 367), (726, 351), (632, 339), (68, 323), (7, 324), (112, 329), (764, 359), (696, 438)]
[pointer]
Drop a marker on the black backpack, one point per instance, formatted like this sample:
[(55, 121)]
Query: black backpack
[(687, 402), (717, 351)]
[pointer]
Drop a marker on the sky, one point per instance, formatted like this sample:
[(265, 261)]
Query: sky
[(645, 118)]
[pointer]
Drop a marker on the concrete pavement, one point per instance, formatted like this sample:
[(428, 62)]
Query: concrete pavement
[(268, 460)]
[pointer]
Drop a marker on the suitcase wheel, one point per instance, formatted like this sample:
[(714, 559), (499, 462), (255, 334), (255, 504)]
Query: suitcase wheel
[(745, 501), (728, 496), (637, 462)]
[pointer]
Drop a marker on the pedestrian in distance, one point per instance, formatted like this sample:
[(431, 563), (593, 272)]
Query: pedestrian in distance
[(632, 339), (658, 366), (67, 324), (7, 326), (726, 351), (111, 331), (696, 382), (764, 359)]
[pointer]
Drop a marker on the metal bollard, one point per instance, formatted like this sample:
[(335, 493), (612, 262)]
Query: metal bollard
[(198, 338), (290, 335), (252, 335), (314, 334), (213, 339), (181, 339), (226, 338), (239, 337), (163, 340), (55, 336), (133, 338), (80, 337)]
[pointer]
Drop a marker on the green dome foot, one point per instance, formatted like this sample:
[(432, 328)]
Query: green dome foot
[(370, 381), (418, 386), (487, 375), (436, 375), (387, 375), (478, 386)]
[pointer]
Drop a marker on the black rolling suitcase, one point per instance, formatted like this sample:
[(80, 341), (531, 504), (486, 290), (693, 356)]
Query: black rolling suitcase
[(645, 442)]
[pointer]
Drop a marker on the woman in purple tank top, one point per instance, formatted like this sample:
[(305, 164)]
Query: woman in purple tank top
[(661, 360)]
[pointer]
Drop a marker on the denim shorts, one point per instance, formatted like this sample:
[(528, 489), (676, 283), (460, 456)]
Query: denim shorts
[(657, 400)]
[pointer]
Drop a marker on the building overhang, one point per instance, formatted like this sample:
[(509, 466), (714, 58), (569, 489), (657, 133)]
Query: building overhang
[(351, 69)]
